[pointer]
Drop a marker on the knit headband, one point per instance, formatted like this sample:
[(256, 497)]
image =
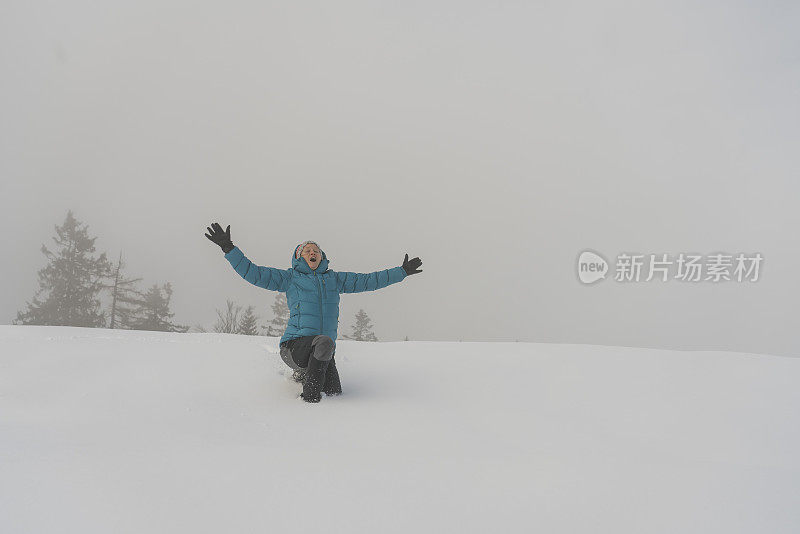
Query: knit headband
[(302, 245)]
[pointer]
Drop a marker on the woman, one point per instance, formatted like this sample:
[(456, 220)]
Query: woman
[(312, 293)]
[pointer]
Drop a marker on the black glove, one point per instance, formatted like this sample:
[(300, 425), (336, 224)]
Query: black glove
[(223, 239), (410, 267)]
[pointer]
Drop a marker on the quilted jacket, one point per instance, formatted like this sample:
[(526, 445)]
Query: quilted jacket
[(312, 295)]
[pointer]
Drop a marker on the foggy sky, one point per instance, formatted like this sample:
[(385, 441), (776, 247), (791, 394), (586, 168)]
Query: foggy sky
[(493, 140)]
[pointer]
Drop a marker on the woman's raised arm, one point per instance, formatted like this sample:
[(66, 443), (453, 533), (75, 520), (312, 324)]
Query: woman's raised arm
[(265, 277)]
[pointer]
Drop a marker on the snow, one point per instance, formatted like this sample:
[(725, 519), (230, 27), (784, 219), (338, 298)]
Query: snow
[(129, 431)]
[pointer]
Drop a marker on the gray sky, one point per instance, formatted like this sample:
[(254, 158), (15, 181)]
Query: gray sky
[(493, 140)]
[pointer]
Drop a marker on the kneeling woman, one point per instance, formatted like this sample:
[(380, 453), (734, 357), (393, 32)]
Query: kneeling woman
[(312, 294)]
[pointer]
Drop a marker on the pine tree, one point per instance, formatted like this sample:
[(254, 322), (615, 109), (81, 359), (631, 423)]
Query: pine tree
[(362, 330), (126, 300), (280, 309), (228, 323), (247, 324), (154, 314), (72, 281)]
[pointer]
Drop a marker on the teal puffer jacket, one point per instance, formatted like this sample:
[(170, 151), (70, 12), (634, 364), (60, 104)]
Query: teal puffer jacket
[(312, 295)]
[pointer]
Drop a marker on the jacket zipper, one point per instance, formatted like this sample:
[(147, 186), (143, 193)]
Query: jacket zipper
[(321, 317)]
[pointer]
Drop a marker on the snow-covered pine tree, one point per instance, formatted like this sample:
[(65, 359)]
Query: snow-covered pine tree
[(362, 330), (71, 282), (154, 312), (228, 323), (280, 310), (247, 324), (126, 300)]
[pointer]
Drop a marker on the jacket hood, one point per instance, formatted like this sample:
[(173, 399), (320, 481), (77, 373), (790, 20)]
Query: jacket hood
[(300, 264)]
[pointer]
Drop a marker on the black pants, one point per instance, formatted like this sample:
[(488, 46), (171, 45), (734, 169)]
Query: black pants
[(296, 352)]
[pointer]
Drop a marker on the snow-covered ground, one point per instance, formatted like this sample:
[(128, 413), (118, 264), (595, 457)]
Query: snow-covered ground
[(107, 431)]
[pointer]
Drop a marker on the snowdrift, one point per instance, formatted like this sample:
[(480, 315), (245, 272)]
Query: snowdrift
[(107, 431)]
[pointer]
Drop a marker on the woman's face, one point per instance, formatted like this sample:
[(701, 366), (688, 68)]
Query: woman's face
[(312, 255)]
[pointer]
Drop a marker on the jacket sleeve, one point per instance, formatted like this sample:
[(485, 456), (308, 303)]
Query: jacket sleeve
[(348, 282), (266, 277)]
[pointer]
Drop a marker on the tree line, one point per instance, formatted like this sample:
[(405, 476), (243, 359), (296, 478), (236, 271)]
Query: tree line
[(75, 278)]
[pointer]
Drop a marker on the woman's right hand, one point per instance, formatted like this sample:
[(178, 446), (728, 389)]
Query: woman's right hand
[(223, 239)]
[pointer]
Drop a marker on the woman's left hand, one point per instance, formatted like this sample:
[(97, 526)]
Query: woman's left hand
[(410, 267)]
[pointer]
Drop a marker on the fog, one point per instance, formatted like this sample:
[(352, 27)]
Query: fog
[(496, 141)]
